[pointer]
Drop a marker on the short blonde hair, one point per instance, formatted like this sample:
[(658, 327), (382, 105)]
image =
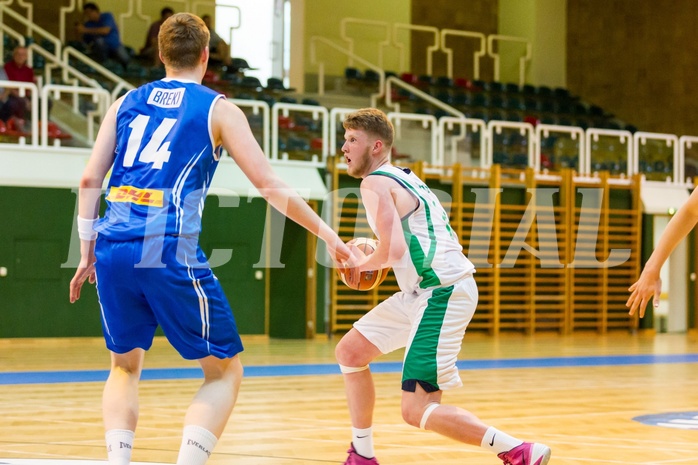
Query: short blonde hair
[(182, 39), (372, 121)]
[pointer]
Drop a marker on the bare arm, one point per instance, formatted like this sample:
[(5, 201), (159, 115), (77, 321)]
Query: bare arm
[(89, 195), (379, 196), (649, 285), (230, 127), (97, 31)]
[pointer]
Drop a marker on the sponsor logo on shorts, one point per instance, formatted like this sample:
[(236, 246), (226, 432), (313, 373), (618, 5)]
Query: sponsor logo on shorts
[(148, 197)]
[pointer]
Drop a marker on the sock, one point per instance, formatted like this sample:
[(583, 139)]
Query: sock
[(363, 441), (499, 442), (197, 445), (119, 446)]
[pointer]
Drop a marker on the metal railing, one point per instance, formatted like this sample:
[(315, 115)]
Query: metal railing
[(315, 40), (120, 84), (100, 97), (316, 112), (523, 60), (257, 106), (392, 80), (23, 88), (31, 30), (445, 33), (343, 26), (430, 49)]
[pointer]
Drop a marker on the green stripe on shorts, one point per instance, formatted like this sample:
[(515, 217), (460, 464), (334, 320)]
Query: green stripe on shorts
[(420, 361)]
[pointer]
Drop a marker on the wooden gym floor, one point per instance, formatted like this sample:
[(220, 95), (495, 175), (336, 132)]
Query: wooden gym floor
[(579, 394)]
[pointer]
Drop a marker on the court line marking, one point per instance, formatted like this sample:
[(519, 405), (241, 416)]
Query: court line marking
[(257, 371)]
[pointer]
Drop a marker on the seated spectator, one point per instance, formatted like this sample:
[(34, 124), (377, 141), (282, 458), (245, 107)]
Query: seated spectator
[(101, 34), (18, 70), (150, 50), (5, 110), (217, 47)]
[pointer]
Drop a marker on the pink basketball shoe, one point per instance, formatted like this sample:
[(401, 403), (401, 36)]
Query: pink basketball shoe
[(356, 459), (528, 453)]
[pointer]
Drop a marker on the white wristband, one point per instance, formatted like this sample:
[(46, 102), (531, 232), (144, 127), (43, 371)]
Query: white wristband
[(86, 230)]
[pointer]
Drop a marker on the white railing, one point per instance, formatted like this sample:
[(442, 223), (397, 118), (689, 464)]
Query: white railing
[(336, 116), (575, 133), (392, 80), (315, 40), (22, 89), (441, 143), (119, 83), (31, 30), (525, 58), (256, 107), (343, 33), (427, 122), (54, 62), (685, 142), (476, 56), (624, 138), (100, 97), (447, 123), (525, 129), (430, 49), (316, 113), (487, 46), (640, 140)]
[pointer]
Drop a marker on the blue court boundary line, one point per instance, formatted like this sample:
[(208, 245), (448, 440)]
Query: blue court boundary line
[(258, 371)]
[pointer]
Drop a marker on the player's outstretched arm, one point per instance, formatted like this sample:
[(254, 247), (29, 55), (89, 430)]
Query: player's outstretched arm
[(649, 286), (231, 129), (89, 194)]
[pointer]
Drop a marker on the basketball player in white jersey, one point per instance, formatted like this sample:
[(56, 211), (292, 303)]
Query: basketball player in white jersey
[(162, 143), (430, 313)]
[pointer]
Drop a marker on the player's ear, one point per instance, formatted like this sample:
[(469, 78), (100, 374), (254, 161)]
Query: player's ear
[(377, 146)]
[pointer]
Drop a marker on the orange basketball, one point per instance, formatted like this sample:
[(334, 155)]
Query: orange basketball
[(366, 280)]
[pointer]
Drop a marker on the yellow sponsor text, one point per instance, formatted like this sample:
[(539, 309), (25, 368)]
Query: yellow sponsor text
[(148, 197)]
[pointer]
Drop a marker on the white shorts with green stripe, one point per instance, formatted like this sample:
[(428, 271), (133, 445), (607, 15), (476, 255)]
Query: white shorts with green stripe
[(430, 325)]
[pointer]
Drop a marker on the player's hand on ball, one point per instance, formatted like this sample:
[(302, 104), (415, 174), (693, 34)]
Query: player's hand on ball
[(361, 280)]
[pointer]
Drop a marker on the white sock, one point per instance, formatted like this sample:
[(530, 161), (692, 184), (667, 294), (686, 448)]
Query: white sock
[(119, 446), (363, 441), (197, 445), (499, 442)]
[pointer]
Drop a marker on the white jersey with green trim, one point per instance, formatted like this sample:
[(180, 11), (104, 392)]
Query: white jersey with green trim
[(434, 256)]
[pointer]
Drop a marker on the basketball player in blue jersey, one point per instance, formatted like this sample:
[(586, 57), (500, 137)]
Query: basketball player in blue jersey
[(162, 142), (430, 313)]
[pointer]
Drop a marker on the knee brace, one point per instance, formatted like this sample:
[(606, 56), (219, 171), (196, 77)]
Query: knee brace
[(427, 411), (346, 370)]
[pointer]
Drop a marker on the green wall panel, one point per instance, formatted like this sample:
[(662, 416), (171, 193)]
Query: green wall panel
[(35, 241)]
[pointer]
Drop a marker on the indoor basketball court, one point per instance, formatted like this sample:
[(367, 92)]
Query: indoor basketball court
[(605, 400)]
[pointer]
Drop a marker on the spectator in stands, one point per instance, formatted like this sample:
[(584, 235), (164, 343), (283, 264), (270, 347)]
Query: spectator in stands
[(101, 33), (218, 48), (17, 69), (5, 110), (150, 50)]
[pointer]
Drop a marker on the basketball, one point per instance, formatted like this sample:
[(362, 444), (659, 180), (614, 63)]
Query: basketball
[(366, 280)]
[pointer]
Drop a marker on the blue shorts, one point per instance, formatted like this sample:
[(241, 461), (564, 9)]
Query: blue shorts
[(164, 281)]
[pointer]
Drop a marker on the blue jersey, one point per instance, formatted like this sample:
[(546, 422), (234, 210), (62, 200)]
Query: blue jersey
[(164, 161), (112, 40)]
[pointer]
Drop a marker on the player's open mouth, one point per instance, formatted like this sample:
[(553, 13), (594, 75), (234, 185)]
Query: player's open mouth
[(347, 159)]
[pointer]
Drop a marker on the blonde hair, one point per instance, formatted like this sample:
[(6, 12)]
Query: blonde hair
[(372, 121), (182, 39)]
